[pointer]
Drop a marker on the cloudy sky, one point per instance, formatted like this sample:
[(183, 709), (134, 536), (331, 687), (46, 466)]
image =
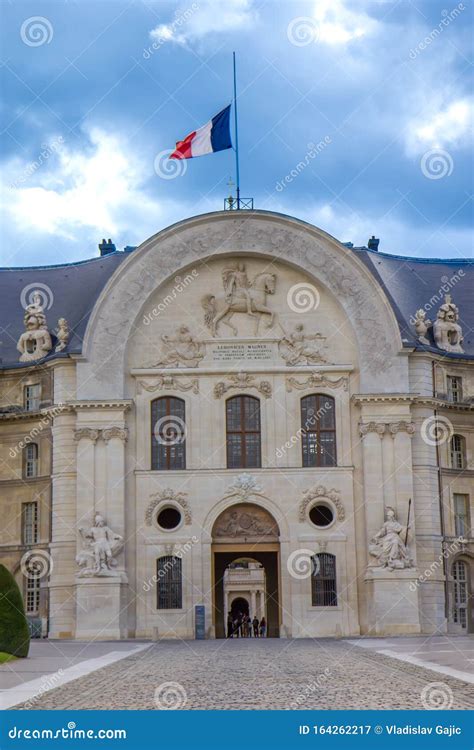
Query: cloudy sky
[(355, 116)]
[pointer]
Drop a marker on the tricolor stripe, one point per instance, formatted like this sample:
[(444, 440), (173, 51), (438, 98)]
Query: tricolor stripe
[(213, 136)]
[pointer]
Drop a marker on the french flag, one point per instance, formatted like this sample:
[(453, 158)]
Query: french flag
[(213, 136)]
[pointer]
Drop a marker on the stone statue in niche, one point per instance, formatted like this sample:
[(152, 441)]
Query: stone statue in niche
[(388, 546), (240, 295), (62, 335), (35, 343), (422, 326), (182, 350), (300, 348), (100, 546), (446, 329)]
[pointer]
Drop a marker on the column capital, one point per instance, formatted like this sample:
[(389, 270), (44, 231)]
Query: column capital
[(403, 426), (366, 427), (87, 433), (115, 432)]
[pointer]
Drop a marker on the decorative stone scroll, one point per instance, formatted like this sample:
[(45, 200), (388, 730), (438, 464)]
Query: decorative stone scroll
[(321, 493), (240, 381), (387, 545), (86, 432), (366, 427), (168, 495), (395, 427), (106, 433), (316, 380), (246, 521), (100, 545), (115, 432), (244, 487), (168, 382)]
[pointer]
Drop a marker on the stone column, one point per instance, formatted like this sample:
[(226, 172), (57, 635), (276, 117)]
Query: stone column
[(253, 603), (62, 608), (115, 438), (402, 434), (372, 434), (86, 439)]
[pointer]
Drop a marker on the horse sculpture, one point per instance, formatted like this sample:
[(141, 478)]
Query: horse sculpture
[(219, 308)]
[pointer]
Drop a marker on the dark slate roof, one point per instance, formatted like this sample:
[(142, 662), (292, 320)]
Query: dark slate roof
[(74, 289), (409, 284), (414, 283)]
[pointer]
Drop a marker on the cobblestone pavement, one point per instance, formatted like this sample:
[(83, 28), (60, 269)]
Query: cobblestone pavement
[(260, 674)]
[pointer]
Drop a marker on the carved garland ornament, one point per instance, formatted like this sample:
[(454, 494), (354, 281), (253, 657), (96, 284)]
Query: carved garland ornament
[(244, 487), (168, 382), (168, 495), (321, 493), (240, 381), (316, 380)]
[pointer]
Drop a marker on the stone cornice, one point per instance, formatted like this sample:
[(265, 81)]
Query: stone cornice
[(372, 398), (441, 403), (262, 369), (47, 412), (115, 404)]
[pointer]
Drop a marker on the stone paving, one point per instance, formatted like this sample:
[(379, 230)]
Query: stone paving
[(260, 674)]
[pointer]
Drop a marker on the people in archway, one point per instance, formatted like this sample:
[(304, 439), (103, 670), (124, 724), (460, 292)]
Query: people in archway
[(263, 628), (230, 625), (245, 626), (255, 625)]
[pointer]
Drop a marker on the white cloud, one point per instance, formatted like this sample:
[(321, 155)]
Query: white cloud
[(338, 24), (441, 128), (203, 17)]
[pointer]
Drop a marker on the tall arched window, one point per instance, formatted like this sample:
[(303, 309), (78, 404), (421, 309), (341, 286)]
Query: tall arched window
[(458, 452), (169, 592), (243, 432), (318, 428), (323, 581), (168, 433), (30, 461)]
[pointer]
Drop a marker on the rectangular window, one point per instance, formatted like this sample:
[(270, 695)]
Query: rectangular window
[(32, 394), (454, 389), (462, 525), (169, 585), (30, 525), (31, 461), (32, 594), (457, 452)]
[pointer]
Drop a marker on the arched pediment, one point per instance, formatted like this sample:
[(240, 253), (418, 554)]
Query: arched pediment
[(245, 522), (271, 237)]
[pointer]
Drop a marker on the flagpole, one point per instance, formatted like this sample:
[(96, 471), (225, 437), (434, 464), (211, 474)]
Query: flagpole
[(237, 171)]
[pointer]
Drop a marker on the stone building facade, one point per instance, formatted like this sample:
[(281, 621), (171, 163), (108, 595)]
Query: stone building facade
[(240, 386)]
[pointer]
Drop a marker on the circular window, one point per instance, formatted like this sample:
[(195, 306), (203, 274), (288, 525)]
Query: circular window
[(169, 518), (321, 515)]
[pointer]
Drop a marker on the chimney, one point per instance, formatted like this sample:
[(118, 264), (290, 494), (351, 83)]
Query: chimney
[(373, 243), (106, 247)]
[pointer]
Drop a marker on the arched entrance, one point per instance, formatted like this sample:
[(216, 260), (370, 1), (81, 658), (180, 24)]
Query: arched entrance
[(239, 606), (249, 532)]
